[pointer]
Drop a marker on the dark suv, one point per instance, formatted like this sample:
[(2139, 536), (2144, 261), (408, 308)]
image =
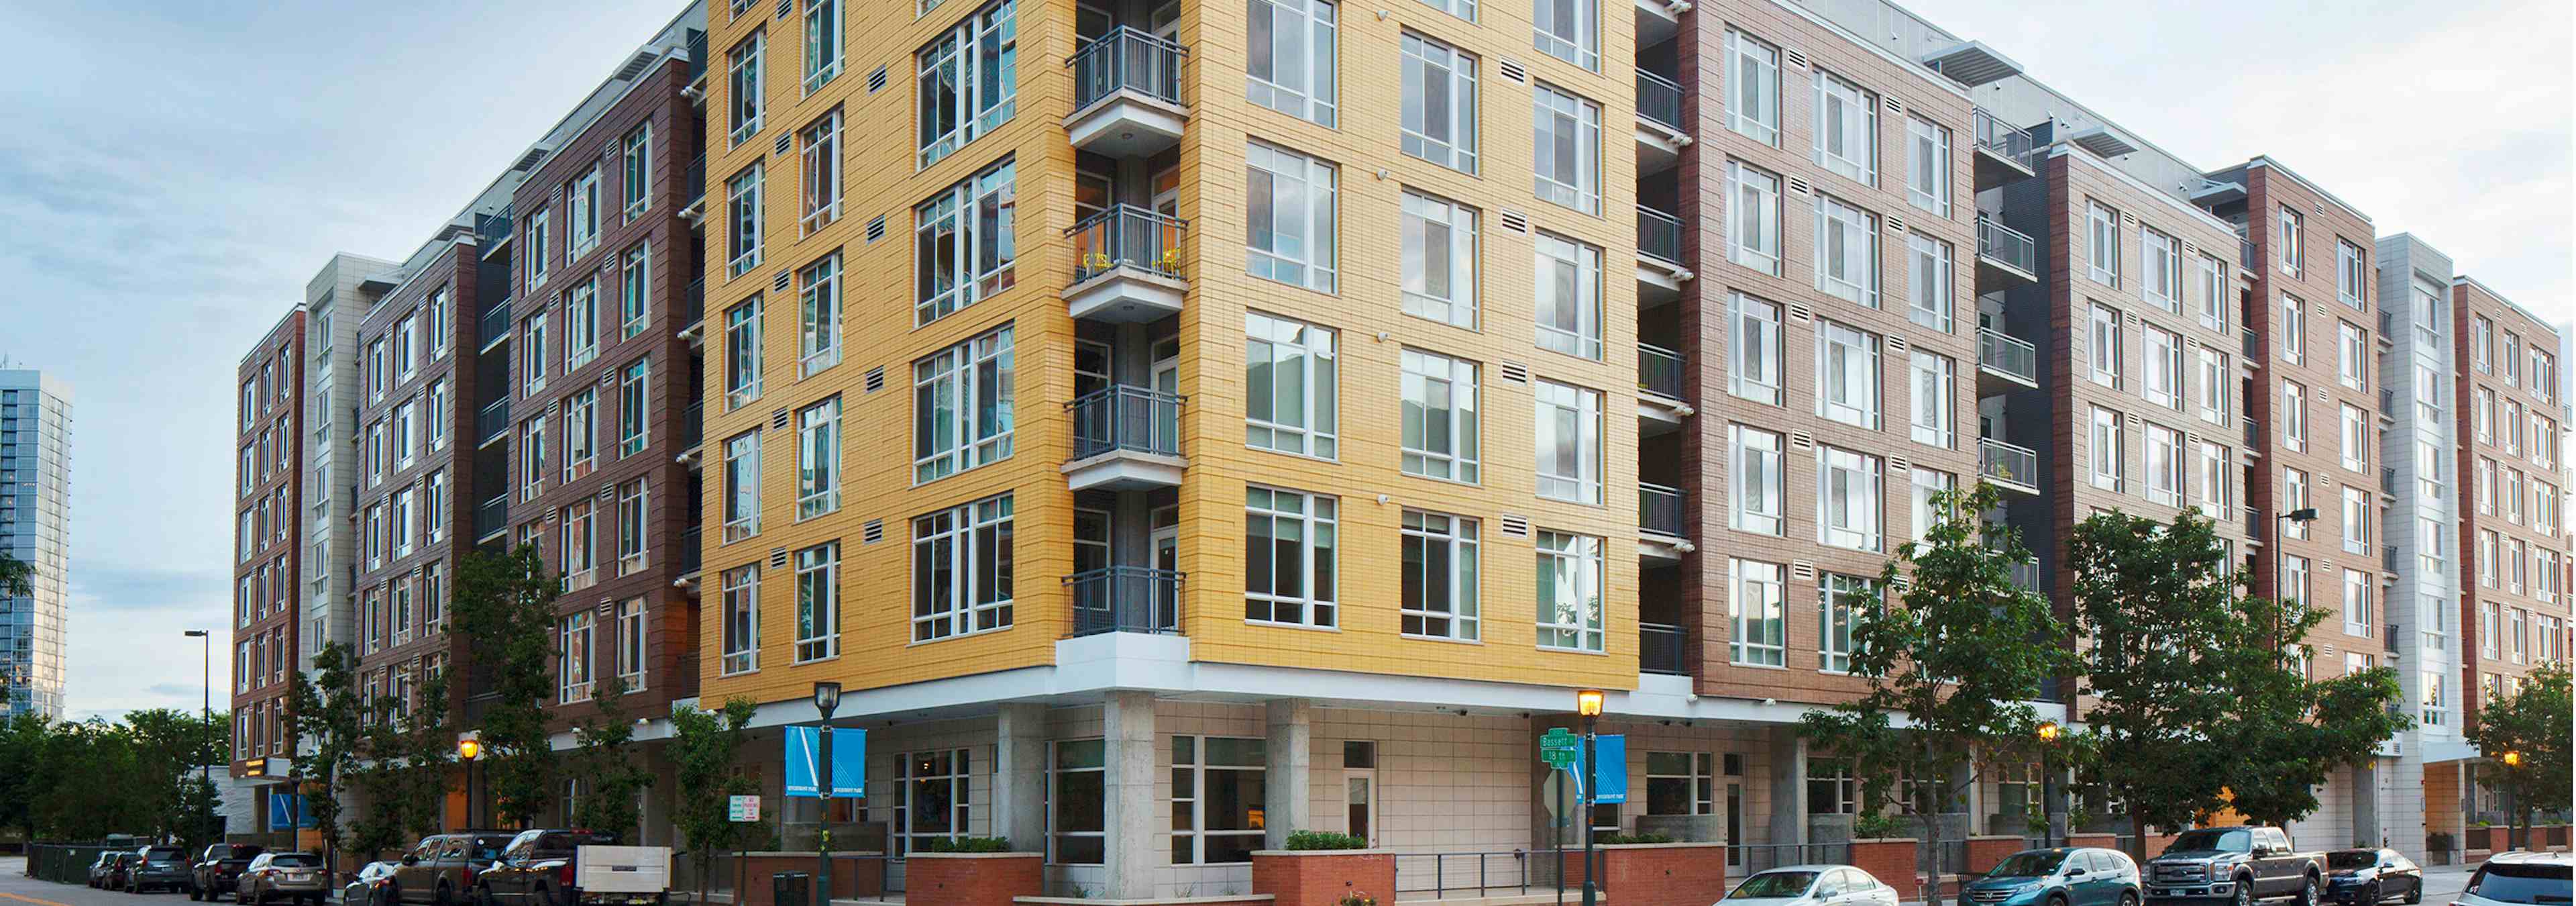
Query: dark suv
[(536, 869), (157, 866), (218, 868), (443, 867)]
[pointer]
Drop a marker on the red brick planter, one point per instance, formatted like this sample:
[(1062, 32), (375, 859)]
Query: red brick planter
[(971, 879), (1322, 877), (1663, 874), (1891, 861), (2490, 839), (1984, 853), (854, 875), (2095, 841)]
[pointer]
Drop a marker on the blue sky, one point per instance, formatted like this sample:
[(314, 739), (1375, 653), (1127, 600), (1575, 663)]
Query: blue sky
[(173, 173)]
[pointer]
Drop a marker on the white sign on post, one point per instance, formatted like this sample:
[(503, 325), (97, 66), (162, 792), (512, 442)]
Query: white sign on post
[(743, 809)]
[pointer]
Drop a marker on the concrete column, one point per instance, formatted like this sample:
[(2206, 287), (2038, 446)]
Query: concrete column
[(2365, 804), (1127, 723), (1291, 749), (1019, 775), (1788, 786)]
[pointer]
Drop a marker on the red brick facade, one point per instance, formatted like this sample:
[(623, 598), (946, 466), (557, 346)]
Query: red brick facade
[(972, 879), (1892, 862), (854, 874), (268, 576), (1664, 874), (1313, 878), (1984, 853)]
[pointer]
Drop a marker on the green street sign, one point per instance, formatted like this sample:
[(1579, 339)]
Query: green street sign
[(1558, 747)]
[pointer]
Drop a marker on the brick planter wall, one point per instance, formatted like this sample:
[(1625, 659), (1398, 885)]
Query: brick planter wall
[(854, 875), (1663, 874), (2094, 841), (2549, 836), (1892, 862), (1323, 877), (2490, 839), (1984, 853), (971, 879)]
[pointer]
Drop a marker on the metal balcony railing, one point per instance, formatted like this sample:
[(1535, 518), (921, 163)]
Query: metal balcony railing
[(491, 516), (2007, 463), (1659, 235), (696, 185), (2005, 244), (2388, 557), (1660, 509), (2254, 523), (1126, 417), (1663, 648), (495, 323), (2009, 142), (697, 43), (1126, 59), (2253, 432), (693, 304), (1127, 236), (2253, 345), (2007, 354), (1125, 599), (1660, 99), (2392, 636), (492, 229), (492, 422), (1659, 371), (2387, 400), (693, 425), (689, 557), (2245, 253)]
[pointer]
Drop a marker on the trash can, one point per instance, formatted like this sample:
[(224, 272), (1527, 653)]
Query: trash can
[(791, 888)]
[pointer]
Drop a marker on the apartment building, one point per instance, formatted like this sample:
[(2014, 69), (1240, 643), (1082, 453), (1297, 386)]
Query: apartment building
[(2422, 468), (35, 528), (269, 536)]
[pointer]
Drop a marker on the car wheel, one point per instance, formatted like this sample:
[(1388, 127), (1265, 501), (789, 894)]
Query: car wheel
[(2128, 898), (2308, 891), (2245, 892), (2415, 892), (2056, 901), (445, 896)]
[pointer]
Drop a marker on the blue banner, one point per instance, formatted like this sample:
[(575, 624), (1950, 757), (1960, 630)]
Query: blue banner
[(1610, 768), (290, 810), (849, 761)]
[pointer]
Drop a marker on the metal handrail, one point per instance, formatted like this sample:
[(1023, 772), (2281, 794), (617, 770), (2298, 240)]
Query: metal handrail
[(2005, 244), (2007, 354), (1660, 100), (1126, 599), (1659, 370), (2009, 463), (1663, 648), (1127, 59), (1127, 236), (495, 322), (1126, 417), (1659, 235), (2253, 432), (2012, 143), (492, 421), (491, 515), (1660, 509)]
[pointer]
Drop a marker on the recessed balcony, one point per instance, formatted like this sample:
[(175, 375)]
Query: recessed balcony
[(1659, 21), (1125, 438), (1660, 270), (2004, 255), (1127, 266), (2005, 363), (2003, 151), (1125, 599), (1661, 133), (1661, 525), (2013, 468), (1127, 94), (1660, 406)]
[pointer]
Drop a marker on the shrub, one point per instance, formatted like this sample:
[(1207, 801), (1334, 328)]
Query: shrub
[(1875, 826), (1617, 839), (2438, 841), (1311, 840), (967, 845)]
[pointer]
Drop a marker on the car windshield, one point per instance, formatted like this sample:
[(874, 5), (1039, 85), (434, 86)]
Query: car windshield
[(1774, 884), (2522, 883), (293, 860), (161, 854), (2037, 863), (2352, 858), (2225, 839)]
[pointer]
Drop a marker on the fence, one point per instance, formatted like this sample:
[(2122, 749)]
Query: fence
[(62, 863), (1433, 876)]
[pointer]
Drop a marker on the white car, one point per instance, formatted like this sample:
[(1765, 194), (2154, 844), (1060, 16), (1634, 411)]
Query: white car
[(1811, 885), (2522, 879)]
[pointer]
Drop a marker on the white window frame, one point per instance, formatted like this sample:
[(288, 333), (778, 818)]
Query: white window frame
[(2108, 450), (1757, 607), (1860, 523), (1452, 143), (1753, 102), (1583, 47), (740, 633), (1839, 598), (1935, 382), (818, 459), (1927, 165), (1850, 374), (1428, 379), (1460, 617), (743, 216), (1758, 482), (2162, 265), (1844, 108), (1570, 326), (1318, 545), (741, 490), (2105, 346), (1310, 256), (1439, 258), (1931, 284), (979, 382), (1569, 592), (1303, 80), (965, 243), (1278, 345), (982, 44), (2102, 243), (1846, 251), (1758, 347), (1578, 481), (1753, 223), (818, 602)]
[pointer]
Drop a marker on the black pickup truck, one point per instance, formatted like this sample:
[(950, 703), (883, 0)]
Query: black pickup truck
[(2238, 865), (536, 869), (218, 868)]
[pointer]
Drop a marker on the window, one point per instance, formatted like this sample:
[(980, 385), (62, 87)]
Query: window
[(1440, 260), (1753, 106), (1289, 558), (1929, 283), (2512, 358), (1758, 607), (818, 602), (2355, 437), (1681, 783), (2352, 356), (1440, 434), (742, 353), (2428, 470), (2110, 458), (2164, 465), (2291, 236), (1077, 797), (403, 425), (2217, 295), (573, 648), (2352, 273), (1569, 30), (742, 207), (2294, 415), (438, 414), (742, 68), (931, 800), (1936, 400), (581, 325), (2435, 710), (2294, 330), (532, 458), (742, 620), (1569, 441), (2294, 581), (378, 457), (2102, 243), (2487, 553), (1760, 480), (819, 202), (378, 379), (742, 487), (580, 545), (634, 391), (1293, 210), (822, 43), (1838, 598), (964, 242), (2482, 344), (963, 566), (1291, 64), (1846, 128), (634, 523), (1218, 791), (1569, 591), (2513, 426), (1568, 145), (1927, 165), (1846, 251), (1440, 581), (1847, 374), (1290, 386), (2164, 367), (406, 341), (398, 518), (2520, 634), (969, 80), (2106, 346), (2163, 260), (434, 506), (635, 155), (1753, 370), (2217, 487), (962, 406), (581, 433), (2356, 521), (818, 459), (1753, 228), (1567, 289), (532, 234), (2216, 385), (1439, 107), (630, 644), (1848, 498), (2490, 621), (582, 197), (2428, 394), (2433, 620)]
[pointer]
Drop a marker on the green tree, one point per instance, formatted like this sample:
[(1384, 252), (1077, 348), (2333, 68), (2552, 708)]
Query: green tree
[(2534, 725), (612, 774), (702, 750), (22, 750), (505, 608), (329, 721), (427, 748), (1958, 657), (17, 577)]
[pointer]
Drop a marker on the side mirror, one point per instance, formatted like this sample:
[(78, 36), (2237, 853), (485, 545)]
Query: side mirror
[(411, 860), (2074, 872)]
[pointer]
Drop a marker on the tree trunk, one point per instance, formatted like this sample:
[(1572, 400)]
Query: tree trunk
[(2138, 830)]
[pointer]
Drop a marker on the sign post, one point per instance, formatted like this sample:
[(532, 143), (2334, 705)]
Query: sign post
[(1559, 748), (742, 810)]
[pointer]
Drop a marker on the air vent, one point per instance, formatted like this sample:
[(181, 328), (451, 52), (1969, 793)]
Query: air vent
[(1515, 221), (608, 378), (784, 142), (877, 80), (779, 281), (777, 558), (778, 419), (872, 532), (553, 406), (1797, 58), (876, 228), (876, 379), (1513, 70), (1801, 313), (1799, 185), (1895, 224), (2321, 395), (785, 7), (1899, 464), (1514, 372), (2134, 421), (2191, 437), (1898, 344), (1904, 582), (1895, 106), (1515, 525), (2190, 248), (1803, 569), (1802, 440), (607, 492), (2128, 219)]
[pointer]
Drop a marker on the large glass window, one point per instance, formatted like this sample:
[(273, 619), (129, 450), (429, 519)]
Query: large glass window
[(1569, 591), (2102, 243), (1927, 165), (2352, 274), (634, 289), (741, 650), (2109, 451), (1440, 577), (634, 391), (932, 797), (969, 80), (1846, 251), (819, 202), (2217, 383), (1753, 227), (1290, 57), (742, 486), (1848, 499), (742, 67), (962, 566), (964, 243), (1929, 283), (1568, 144), (1569, 441), (2217, 293), (1440, 260), (822, 43), (1290, 557), (1936, 399), (2164, 367), (2165, 465), (1289, 386), (1569, 30), (818, 459), (1927, 485), (962, 406), (635, 159), (582, 197), (574, 646), (581, 433), (1440, 433), (743, 217), (818, 602), (1567, 286), (1846, 128), (2292, 237), (1077, 803), (1759, 613), (1847, 374), (742, 353), (1759, 476), (1753, 105), (1838, 599), (1219, 797), (1753, 367), (2105, 351), (1439, 109), (2162, 282), (1293, 200)]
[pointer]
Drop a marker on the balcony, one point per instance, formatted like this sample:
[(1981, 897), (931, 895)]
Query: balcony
[(693, 313), (2005, 362), (2253, 346), (2004, 255), (694, 188), (1125, 599), (692, 431), (1659, 21), (493, 422), (1660, 271), (2003, 152), (2253, 435), (1663, 649), (492, 518), (1660, 383), (1661, 515), (1127, 266), (2013, 468), (1127, 94), (1125, 438), (1660, 131), (690, 558), (495, 325)]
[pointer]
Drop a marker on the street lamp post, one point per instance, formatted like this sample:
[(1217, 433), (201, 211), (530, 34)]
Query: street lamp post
[(206, 675), (470, 748), (2512, 766), (2302, 516), (1587, 704), (2048, 733), (827, 699)]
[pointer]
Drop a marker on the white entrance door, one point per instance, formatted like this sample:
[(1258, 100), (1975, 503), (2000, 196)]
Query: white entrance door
[(1360, 792)]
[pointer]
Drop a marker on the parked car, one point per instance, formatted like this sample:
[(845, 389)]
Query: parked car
[(1812, 885), (372, 886), (282, 876), (2236, 864), (2368, 877), (218, 868), (536, 869), (101, 868), (2061, 876), (118, 871), (442, 868), (2522, 879), (157, 867)]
